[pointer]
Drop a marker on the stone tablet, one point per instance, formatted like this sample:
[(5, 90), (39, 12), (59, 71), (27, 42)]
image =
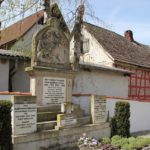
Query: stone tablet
[(98, 109), (24, 115), (54, 90), (66, 120)]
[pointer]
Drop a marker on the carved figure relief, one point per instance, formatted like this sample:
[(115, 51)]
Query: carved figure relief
[(51, 45)]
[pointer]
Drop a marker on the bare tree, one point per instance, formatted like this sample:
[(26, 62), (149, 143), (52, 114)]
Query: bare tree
[(1, 1), (75, 16), (13, 10), (78, 43)]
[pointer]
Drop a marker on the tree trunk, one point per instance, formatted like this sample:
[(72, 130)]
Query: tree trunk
[(1, 1), (78, 42)]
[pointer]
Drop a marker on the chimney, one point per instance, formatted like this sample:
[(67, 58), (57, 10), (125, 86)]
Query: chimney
[(129, 35)]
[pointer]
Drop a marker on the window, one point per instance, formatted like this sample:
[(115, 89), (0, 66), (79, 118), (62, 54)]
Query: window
[(86, 46)]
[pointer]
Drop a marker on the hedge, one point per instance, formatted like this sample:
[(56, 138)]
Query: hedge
[(5, 125), (121, 121)]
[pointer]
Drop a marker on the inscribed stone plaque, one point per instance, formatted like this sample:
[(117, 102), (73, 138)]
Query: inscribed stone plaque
[(98, 109), (66, 120), (54, 90), (24, 116)]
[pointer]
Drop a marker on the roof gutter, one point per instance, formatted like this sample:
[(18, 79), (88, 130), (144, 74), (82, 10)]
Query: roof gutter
[(129, 63), (90, 67)]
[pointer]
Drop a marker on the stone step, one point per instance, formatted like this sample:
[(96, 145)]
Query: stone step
[(84, 120), (76, 106), (48, 108), (78, 113), (47, 125), (77, 110), (47, 116)]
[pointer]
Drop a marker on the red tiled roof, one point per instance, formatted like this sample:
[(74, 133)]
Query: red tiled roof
[(20, 28), (119, 48)]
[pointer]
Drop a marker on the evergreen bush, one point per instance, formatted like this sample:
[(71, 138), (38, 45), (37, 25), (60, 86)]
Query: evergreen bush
[(122, 119), (113, 126), (5, 125)]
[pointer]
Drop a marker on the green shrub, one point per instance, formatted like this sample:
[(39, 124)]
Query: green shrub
[(116, 137), (5, 125), (131, 140), (106, 140), (146, 141), (122, 116), (126, 147), (119, 142), (131, 143), (140, 142)]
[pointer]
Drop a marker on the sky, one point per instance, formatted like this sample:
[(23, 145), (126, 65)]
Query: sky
[(123, 15)]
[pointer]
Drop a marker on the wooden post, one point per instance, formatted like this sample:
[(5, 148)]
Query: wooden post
[(1, 2)]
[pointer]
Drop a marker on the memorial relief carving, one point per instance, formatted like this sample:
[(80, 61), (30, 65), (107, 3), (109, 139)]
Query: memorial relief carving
[(50, 44)]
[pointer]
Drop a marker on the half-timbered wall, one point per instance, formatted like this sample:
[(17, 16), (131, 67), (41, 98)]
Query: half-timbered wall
[(138, 82)]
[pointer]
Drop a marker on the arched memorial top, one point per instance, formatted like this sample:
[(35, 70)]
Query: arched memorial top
[(50, 45)]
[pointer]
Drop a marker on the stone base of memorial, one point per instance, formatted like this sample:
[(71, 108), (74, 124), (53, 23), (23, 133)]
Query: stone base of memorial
[(51, 86), (66, 121), (24, 115), (98, 109)]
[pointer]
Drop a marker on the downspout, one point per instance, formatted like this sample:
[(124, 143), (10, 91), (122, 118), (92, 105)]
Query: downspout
[(12, 72)]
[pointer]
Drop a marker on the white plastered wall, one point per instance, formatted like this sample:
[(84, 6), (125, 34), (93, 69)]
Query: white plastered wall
[(101, 83), (4, 75), (21, 80), (139, 120), (139, 111), (96, 55)]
